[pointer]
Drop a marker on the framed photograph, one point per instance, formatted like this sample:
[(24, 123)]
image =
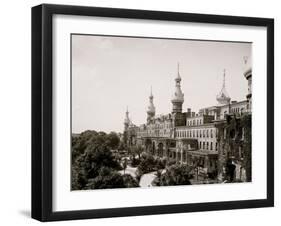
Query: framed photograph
[(145, 112)]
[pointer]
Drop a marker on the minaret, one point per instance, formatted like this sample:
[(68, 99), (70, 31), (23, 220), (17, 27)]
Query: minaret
[(223, 97), (151, 108), (178, 96), (126, 120)]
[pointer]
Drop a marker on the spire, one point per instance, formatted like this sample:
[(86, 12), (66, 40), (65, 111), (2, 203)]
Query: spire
[(178, 78), (127, 119), (223, 97), (151, 107)]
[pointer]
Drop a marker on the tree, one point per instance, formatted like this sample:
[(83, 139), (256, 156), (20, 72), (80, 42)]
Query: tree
[(98, 157), (113, 140), (174, 175), (137, 150), (147, 164), (106, 178)]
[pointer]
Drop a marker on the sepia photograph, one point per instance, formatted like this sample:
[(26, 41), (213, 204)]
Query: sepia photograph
[(149, 112)]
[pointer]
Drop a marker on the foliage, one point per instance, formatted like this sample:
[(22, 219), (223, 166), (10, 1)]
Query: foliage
[(91, 151), (148, 164), (135, 162), (246, 123), (174, 175), (108, 178), (113, 140), (137, 150)]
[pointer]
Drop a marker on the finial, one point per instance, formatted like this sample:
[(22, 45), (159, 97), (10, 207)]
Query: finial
[(150, 90), (178, 69), (127, 111)]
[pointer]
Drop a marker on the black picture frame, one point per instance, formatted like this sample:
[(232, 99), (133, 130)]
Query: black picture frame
[(42, 111)]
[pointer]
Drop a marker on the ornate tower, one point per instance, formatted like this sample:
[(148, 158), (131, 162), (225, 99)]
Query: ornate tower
[(151, 108), (223, 97), (178, 96)]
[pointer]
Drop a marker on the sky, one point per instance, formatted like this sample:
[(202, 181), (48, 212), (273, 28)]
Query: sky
[(110, 74)]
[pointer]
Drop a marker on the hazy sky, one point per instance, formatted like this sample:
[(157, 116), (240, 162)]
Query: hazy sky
[(110, 73)]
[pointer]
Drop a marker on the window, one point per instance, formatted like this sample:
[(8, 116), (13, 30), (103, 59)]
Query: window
[(211, 146), (211, 133), (207, 133)]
